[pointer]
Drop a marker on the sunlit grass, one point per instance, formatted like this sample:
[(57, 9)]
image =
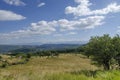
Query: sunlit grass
[(64, 67), (100, 75)]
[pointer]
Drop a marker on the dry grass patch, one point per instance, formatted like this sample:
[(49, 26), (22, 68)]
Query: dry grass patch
[(38, 67)]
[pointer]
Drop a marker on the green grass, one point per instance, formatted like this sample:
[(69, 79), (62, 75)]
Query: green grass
[(64, 67), (100, 75)]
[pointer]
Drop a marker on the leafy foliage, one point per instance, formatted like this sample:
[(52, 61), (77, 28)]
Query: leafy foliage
[(103, 49)]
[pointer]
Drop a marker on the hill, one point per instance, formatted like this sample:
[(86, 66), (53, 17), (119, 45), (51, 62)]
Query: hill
[(38, 67), (64, 67), (28, 48)]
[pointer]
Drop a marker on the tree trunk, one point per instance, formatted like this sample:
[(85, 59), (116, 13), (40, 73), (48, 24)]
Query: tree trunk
[(106, 65)]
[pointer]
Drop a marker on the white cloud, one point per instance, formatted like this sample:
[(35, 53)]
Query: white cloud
[(15, 2), (83, 9), (118, 29), (85, 2), (64, 34), (40, 28), (80, 10), (72, 33), (9, 15), (93, 19), (46, 28), (112, 8), (43, 27), (41, 4), (58, 35), (85, 23)]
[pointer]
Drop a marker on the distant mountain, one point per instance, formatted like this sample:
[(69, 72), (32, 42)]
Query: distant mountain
[(58, 46), (27, 48), (6, 48), (64, 42)]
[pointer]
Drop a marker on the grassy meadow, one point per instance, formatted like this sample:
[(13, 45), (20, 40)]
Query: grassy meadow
[(64, 67)]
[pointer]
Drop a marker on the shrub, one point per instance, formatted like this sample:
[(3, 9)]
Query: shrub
[(3, 65)]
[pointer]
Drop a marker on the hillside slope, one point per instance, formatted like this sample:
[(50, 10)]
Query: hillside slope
[(38, 67)]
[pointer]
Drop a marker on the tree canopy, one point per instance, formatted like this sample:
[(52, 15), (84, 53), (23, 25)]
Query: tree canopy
[(103, 49)]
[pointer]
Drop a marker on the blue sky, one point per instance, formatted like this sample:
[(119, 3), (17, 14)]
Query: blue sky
[(57, 21)]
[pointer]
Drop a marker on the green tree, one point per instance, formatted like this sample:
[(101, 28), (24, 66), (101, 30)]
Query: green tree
[(102, 50), (116, 42)]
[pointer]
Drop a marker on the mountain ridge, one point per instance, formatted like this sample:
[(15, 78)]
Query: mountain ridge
[(10, 48)]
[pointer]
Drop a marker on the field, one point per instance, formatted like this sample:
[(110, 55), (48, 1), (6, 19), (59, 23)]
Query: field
[(64, 67)]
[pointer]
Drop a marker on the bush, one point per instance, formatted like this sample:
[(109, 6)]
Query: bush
[(4, 65), (28, 55)]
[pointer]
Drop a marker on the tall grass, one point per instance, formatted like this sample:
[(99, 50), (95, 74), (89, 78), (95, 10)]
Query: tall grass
[(100, 75), (64, 67)]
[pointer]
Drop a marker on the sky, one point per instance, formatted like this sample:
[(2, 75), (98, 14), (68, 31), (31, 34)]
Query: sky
[(57, 21)]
